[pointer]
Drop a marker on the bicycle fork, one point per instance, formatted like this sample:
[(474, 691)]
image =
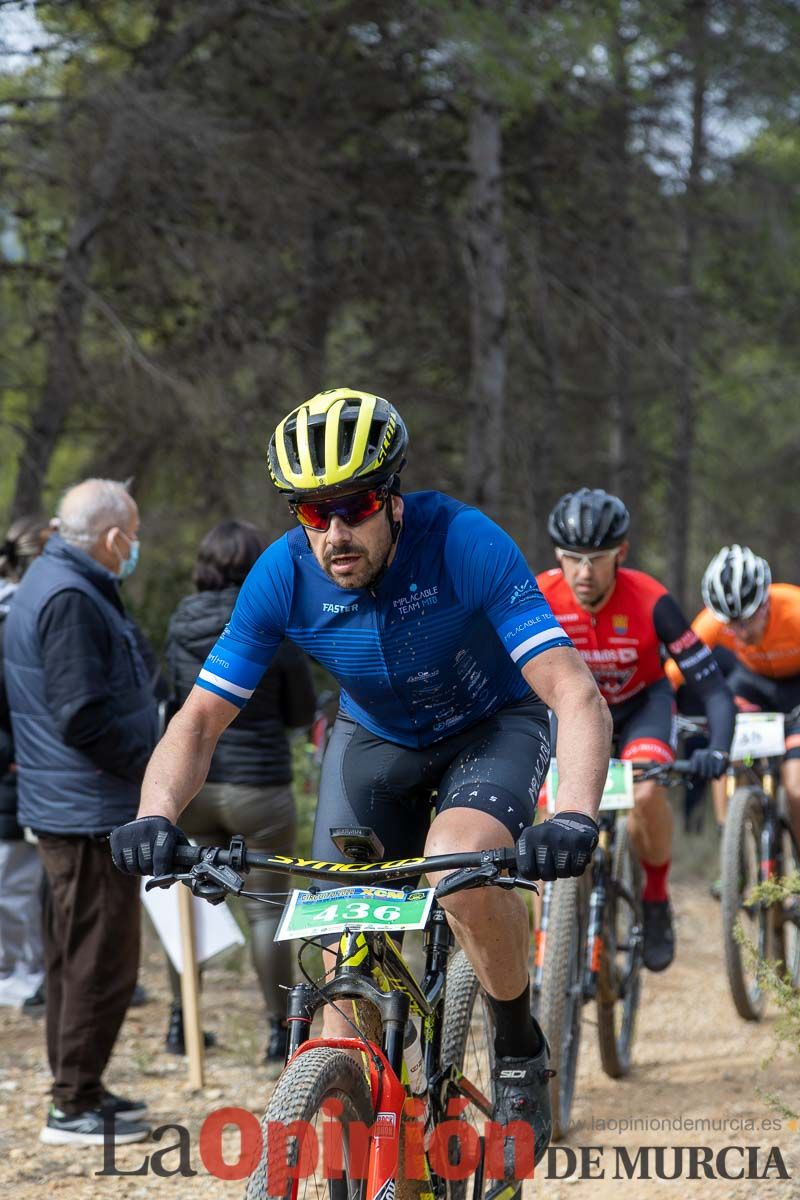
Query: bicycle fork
[(594, 928), (769, 847)]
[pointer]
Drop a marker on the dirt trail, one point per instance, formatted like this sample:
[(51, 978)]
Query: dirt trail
[(695, 1061)]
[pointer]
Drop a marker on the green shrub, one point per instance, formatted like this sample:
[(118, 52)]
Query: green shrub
[(777, 982)]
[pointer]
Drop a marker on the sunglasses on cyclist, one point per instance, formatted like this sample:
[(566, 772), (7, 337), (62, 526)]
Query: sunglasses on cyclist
[(353, 510), (589, 558)]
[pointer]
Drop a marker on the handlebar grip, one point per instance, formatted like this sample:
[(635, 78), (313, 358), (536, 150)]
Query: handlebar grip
[(186, 856)]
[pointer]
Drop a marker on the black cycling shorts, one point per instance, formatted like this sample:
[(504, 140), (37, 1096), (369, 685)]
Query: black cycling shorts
[(497, 766), (644, 726), (770, 695)]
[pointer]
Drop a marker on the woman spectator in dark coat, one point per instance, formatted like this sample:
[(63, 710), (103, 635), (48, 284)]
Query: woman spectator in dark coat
[(249, 788)]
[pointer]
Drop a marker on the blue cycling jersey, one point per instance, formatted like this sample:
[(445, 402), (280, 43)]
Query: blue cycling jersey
[(436, 647)]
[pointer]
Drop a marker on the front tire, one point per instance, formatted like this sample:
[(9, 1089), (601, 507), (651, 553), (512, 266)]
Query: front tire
[(315, 1077), (619, 983), (740, 873)]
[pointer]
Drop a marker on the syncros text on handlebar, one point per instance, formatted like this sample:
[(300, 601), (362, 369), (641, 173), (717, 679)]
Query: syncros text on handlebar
[(399, 868)]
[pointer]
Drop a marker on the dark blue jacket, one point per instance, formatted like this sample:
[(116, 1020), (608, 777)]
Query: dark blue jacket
[(82, 706), (253, 750)]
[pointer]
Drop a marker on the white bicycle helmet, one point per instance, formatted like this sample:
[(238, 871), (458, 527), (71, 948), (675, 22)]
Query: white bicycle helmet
[(736, 583)]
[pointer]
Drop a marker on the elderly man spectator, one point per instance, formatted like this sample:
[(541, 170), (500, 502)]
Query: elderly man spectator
[(85, 723)]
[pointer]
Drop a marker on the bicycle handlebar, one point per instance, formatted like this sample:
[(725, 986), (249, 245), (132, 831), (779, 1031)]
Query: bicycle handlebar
[(662, 771), (369, 872)]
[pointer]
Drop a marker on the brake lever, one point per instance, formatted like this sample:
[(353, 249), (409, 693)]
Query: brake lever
[(164, 881), (206, 880), (515, 881), (466, 879), (486, 876)]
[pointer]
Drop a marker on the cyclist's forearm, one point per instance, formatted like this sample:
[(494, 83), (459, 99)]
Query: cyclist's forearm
[(721, 713), (177, 769), (584, 748), (563, 681)]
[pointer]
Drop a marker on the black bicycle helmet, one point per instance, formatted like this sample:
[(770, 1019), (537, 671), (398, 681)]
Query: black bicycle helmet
[(589, 519), (736, 583)]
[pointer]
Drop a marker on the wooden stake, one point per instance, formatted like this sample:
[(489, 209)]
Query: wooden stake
[(190, 990)]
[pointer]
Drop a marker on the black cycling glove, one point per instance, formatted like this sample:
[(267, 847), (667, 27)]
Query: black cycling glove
[(146, 846), (557, 848), (708, 764)]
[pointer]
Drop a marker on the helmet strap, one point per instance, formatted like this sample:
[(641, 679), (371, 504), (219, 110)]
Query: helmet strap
[(394, 529), (394, 526)]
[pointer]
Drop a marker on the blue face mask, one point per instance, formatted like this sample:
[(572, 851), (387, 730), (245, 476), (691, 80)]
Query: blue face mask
[(130, 564)]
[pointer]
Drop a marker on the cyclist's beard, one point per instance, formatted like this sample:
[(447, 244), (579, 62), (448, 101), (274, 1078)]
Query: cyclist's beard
[(365, 567)]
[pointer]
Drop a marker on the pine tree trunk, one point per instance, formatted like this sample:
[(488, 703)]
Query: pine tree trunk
[(486, 264), (64, 377), (624, 453), (681, 472)]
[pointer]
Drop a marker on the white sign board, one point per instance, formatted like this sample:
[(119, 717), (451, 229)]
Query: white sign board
[(214, 927), (758, 735)]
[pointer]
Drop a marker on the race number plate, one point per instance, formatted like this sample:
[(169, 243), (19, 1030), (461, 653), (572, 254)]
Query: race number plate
[(308, 914), (617, 793), (758, 735)]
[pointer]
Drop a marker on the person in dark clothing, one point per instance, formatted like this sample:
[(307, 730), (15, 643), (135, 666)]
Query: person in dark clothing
[(85, 723), (21, 953), (249, 784)]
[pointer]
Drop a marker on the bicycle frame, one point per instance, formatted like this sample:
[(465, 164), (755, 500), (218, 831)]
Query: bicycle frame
[(602, 879), (371, 968), (764, 773)]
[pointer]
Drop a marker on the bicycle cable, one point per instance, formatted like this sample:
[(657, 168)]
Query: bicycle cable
[(266, 898), (313, 984)]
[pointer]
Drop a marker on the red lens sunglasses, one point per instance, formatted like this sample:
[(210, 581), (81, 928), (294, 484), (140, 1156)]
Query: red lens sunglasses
[(353, 510)]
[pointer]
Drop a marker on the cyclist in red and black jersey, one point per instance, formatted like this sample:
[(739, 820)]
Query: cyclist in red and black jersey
[(624, 623)]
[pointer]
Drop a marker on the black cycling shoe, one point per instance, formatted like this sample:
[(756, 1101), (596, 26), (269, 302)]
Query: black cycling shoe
[(659, 935), (522, 1094), (174, 1042), (278, 1041)]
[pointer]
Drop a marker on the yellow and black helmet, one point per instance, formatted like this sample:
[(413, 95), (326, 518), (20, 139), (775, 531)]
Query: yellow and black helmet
[(336, 442)]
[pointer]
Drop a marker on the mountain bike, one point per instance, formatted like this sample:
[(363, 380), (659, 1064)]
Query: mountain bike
[(589, 948), (346, 1116), (758, 846)]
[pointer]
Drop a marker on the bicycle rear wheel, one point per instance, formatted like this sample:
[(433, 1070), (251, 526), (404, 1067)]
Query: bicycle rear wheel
[(619, 983), (316, 1077), (790, 915), (468, 1044), (561, 997), (740, 872)]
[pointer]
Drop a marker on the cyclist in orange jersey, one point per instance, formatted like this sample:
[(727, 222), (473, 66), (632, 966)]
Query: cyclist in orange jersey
[(758, 622), (623, 623)]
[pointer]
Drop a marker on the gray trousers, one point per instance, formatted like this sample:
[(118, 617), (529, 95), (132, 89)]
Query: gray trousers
[(266, 818), (21, 954)]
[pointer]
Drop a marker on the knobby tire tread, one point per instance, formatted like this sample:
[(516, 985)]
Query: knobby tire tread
[(559, 954), (616, 1048), (299, 1093), (744, 803)]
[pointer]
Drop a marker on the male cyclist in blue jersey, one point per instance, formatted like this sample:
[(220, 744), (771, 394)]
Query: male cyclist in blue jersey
[(447, 656)]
